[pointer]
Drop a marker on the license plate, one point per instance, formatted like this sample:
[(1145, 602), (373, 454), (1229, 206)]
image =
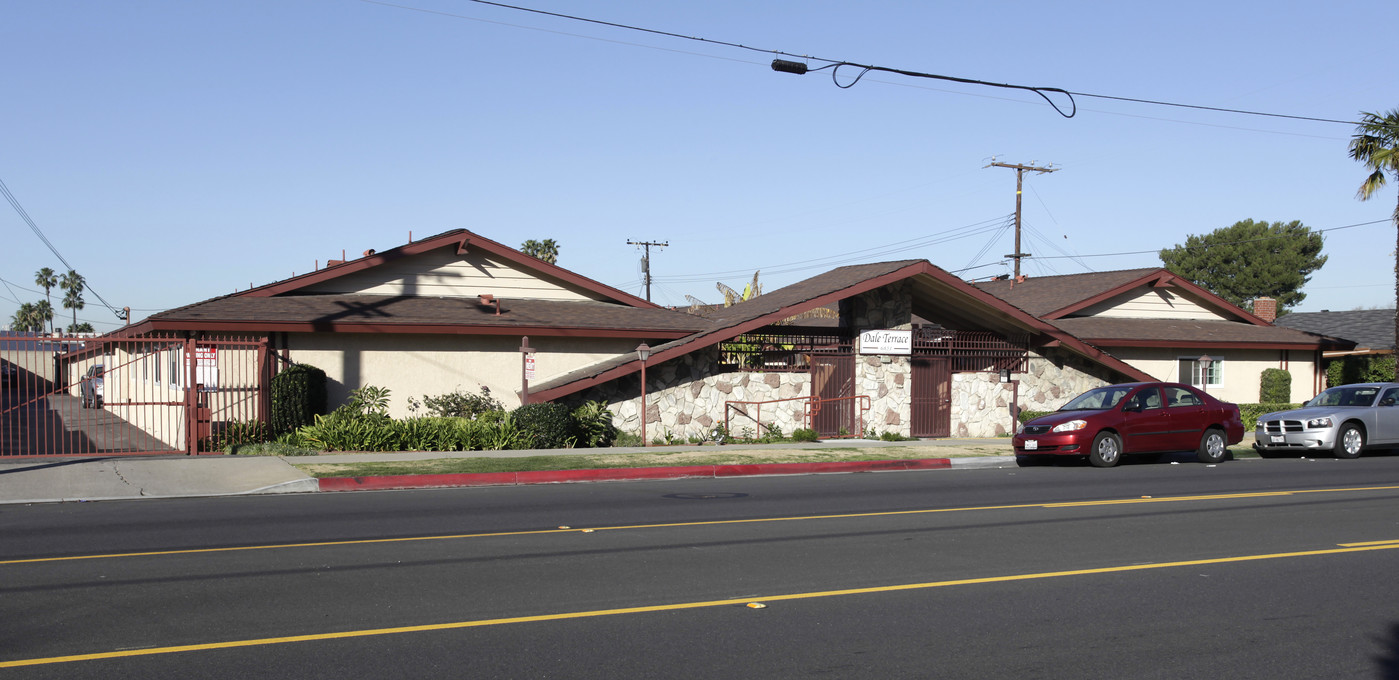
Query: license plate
[(1278, 439), (1031, 444)]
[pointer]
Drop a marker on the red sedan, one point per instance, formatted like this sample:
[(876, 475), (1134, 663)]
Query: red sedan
[(1107, 422)]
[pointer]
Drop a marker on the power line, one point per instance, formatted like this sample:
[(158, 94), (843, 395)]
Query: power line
[(1230, 243), (853, 255), (836, 64), (14, 203)]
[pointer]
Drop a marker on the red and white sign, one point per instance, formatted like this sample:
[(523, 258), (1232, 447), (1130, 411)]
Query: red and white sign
[(529, 366), (206, 367)]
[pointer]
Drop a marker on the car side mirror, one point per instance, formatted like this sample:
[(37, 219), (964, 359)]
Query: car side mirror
[(1387, 401)]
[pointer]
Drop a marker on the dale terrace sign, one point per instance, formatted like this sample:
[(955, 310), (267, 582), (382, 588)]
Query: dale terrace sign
[(886, 342)]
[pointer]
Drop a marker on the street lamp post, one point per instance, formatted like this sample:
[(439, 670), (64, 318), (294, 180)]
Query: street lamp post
[(1204, 363), (643, 352)]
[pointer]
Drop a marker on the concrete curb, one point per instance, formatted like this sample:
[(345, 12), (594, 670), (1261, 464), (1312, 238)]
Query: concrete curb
[(623, 474)]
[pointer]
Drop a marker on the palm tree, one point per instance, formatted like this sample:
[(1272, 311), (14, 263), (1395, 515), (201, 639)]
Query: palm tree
[(26, 319), (1376, 144), (73, 283), (46, 279), (43, 311), (546, 250)]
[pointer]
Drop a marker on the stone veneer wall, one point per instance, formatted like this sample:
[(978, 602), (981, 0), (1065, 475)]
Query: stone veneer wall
[(685, 396), (981, 402), (685, 399), (981, 405), (890, 389), (889, 307)]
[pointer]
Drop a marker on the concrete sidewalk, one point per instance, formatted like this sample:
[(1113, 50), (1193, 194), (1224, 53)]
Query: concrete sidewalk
[(112, 478)]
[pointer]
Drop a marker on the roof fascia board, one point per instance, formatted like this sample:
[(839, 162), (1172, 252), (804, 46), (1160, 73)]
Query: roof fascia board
[(1216, 344), (260, 327)]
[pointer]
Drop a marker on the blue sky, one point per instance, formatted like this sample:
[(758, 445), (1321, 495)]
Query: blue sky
[(178, 151)]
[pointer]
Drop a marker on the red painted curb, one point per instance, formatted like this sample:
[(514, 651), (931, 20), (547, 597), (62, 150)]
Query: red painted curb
[(616, 474)]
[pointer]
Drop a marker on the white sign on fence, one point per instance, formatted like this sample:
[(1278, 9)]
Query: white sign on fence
[(886, 342), (206, 367)]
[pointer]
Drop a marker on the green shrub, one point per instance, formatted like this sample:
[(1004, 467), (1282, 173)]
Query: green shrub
[(459, 404), (345, 430), (1249, 412), (436, 434), (544, 425), (893, 437), (805, 434), (298, 396), (1274, 386), (369, 400), (1026, 415), (771, 434), (628, 439), (1360, 369), (236, 433), (593, 423)]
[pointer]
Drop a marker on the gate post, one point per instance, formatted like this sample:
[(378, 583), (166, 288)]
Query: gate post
[(191, 399)]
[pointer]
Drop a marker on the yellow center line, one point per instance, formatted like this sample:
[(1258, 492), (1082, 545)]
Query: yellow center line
[(540, 532), (455, 625)]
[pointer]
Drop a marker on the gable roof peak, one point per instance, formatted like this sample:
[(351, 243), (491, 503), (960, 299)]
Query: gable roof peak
[(463, 241)]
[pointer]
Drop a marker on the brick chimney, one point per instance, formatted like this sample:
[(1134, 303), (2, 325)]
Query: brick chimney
[(1265, 308)]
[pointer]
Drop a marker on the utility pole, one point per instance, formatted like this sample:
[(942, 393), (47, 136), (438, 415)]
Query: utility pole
[(646, 261), (1019, 183)]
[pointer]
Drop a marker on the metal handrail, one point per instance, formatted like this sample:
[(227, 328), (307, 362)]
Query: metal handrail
[(812, 407)]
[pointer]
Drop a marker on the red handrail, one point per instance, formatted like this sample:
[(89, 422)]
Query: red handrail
[(813, 406)]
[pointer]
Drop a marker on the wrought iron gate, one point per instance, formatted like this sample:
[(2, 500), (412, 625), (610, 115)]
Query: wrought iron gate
[(833, 377), (931, 407), (128, 396)]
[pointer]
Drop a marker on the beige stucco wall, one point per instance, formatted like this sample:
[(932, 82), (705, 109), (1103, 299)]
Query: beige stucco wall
[(1153, 303), (418, 365), (1243, 369), (444, 273)]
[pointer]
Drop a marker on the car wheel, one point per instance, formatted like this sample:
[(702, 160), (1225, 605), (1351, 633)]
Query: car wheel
[(1213, 448), (1106, 451), (1349, 441)]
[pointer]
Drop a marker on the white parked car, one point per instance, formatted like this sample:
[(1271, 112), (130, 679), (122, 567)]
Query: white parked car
[(91, 387), (1342, 421)]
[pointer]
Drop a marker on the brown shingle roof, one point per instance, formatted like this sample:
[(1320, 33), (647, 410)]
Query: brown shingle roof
[(725, 322), (326, 312), (1369, 328), (1044, 294), (813, 292), (1111, 331)]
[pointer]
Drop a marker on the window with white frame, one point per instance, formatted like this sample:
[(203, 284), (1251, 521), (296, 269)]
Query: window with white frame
[(176, 362), (1193, 373)]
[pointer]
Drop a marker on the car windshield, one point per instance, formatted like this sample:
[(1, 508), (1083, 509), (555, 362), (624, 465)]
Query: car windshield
[(1097, 400), (1346, 395)]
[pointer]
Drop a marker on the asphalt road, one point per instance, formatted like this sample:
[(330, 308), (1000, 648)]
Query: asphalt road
[(1249, 569)]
